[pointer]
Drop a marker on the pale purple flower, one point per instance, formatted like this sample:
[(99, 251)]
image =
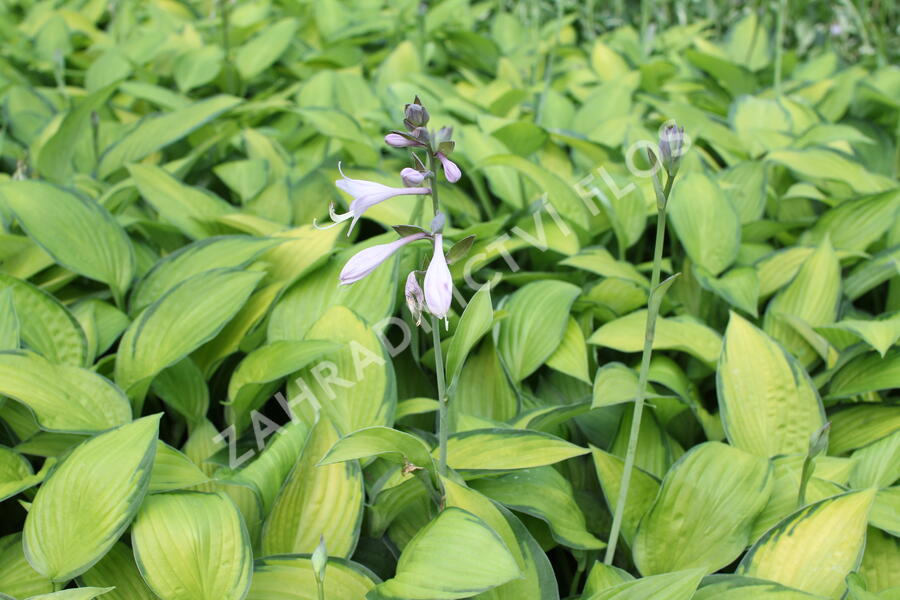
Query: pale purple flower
[(412, 177), (365, 195), (400, 141), (415, 299), (438, 282), (671, 142), (365, 261), (451, 171)]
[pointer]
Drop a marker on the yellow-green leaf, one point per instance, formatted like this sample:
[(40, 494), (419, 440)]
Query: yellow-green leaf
[(768, 404), (815, 548), (192, 546), (89, 501)]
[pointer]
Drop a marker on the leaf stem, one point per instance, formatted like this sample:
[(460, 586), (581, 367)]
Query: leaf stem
[(650, 331), (442, 425)]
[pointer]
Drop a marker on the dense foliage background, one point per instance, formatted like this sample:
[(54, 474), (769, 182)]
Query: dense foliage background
[(162, 163)]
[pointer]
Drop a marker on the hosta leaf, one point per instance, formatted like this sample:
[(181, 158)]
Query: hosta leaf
[(55, 159), (176, 324), (190, 209), (878, 464), (269, 470), (538, 581), (881, 335), (389, 444), (17, 577), (538, 314), (84, 593), (45, 324), (102, 323), (641, 492), (9, 322), (355, 384), (506, 449), (866, 373), (118, 571), (571, 356), (885, 514), (483, 389), (716, 491), (561, 195), (813, 296), (440, 561), (61, 397), (293, 578), (475, 321), (545, 494), (879, 562), (769, 405), (815, 548), (858, 426), (305, 302), (603, 577), (172, 470), (192, 546), (184, 390), (739, 287), (735, 587), (316, 501), (626, 334), (825, 165), (855, 224), (679, 585), (263, 50), (706, 222), (155, 132), (786, 474), (16, 473), (211, 253), (270, 363), (78, 232), (65, 534)]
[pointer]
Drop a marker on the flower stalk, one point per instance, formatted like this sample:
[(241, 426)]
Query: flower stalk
[(670, 154)]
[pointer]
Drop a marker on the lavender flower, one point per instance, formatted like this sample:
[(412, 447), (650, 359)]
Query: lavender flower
[(415, 299), (438, 282), (401, 141), (671, 141), (365, 195), (365, 261), (451, 171)]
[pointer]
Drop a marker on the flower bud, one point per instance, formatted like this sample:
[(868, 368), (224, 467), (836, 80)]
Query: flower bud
[(415, 115), (451, 171), (415, 298), (438, 282), (398, 140), (319, 560), (671, 142), (412, 177)]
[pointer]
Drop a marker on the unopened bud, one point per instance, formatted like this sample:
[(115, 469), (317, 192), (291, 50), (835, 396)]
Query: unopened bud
[(415, 297), (412, 177), (415, 115), (671, 142)]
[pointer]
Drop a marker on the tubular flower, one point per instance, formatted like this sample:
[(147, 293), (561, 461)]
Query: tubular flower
[(451, 171), (365, 261), (365, 195), (400, 141), (438, 282), (415, 299)]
